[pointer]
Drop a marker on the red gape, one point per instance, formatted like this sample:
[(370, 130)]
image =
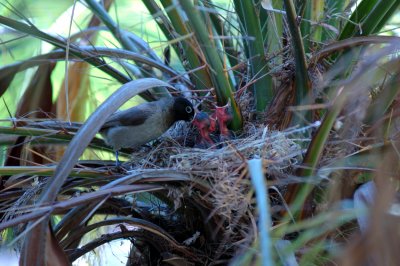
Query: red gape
[(204, 124), (207, 124), (223, 116)]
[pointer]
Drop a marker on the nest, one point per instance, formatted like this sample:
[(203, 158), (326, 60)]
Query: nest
[(224, 167)]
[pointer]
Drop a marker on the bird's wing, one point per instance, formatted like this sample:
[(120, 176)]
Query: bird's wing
[(131, 117)]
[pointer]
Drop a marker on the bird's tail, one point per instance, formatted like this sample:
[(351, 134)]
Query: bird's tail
[(56, 125)]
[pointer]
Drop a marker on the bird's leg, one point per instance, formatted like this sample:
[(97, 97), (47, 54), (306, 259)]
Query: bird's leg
[(118, 165), (117, 162)]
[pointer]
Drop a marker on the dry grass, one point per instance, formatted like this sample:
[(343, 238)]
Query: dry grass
[(223, 167)]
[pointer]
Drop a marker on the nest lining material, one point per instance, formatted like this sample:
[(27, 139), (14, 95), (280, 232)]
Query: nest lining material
[(223, 166)]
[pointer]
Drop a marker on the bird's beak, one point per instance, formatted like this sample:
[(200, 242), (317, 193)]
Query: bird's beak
[(196, 111)]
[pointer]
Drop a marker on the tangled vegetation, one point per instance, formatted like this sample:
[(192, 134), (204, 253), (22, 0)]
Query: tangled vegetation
[(306, 174)]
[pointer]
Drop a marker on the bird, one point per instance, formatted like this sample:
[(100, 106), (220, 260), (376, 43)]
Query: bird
[(143, 123), (223, 115), (206, 125), (136, 126)]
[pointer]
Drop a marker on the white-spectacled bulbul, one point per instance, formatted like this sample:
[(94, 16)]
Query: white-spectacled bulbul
[(138, 125)]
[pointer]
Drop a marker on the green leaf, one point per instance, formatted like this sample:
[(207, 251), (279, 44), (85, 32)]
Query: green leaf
[(303, 84), (368, 18), (223, 86), (259, 69)]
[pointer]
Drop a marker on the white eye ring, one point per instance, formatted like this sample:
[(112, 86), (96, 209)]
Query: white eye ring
[(188, 109)]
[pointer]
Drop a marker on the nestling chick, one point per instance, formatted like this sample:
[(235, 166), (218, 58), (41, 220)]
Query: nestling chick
[(223, 116), (205, 125), (208, 124)]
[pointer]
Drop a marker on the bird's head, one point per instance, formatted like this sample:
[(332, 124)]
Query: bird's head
[(182, 109), (201, 120)]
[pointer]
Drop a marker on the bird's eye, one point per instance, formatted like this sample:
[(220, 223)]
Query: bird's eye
[(188, 109)]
